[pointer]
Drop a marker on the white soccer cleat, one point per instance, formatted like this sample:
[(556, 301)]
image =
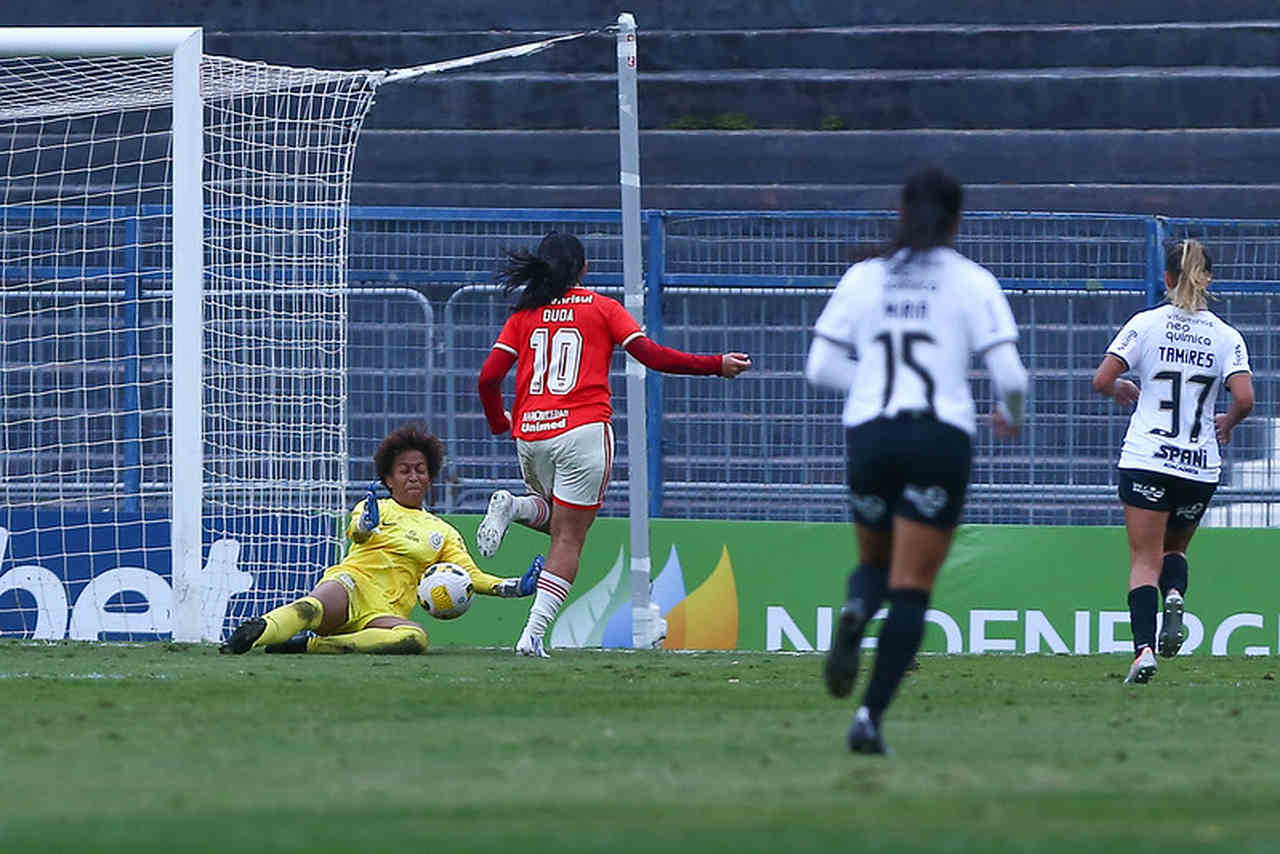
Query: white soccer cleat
[(1143, 667), (502, 509), (532, 646)]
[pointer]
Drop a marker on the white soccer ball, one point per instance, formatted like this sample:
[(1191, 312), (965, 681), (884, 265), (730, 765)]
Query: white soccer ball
[(445, 591)]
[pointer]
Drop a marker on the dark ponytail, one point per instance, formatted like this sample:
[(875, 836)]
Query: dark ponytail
[(931, 202), (545, 275)]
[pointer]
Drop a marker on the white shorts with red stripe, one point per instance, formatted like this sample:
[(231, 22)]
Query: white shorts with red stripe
[(570, 469)]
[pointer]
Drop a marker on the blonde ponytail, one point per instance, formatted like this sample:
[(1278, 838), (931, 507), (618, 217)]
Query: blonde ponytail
[(1190, 264)]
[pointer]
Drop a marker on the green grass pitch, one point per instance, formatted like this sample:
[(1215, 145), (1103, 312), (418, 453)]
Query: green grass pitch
[(174, 749)]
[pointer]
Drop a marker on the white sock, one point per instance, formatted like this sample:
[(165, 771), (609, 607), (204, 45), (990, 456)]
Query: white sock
[(531, 509), (552, 591)]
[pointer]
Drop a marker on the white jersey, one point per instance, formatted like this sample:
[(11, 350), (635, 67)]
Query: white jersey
[(1180, 360), (912, 328)]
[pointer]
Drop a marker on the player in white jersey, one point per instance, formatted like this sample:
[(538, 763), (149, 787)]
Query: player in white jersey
[(897, 337), (1181, 354)]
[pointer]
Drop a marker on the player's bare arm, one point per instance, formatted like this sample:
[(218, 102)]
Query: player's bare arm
[(1241, 387), (1107, 381)]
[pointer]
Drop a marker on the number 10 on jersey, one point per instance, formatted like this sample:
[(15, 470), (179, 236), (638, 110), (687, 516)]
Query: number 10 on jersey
[(556, 360)]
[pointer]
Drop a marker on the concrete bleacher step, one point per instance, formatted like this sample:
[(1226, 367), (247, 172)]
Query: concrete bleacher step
[(399, 15), (1033, 105), (1221, 200), (935, 46), (1203, 173), (1166, 199), (872, 100), (802, 157)]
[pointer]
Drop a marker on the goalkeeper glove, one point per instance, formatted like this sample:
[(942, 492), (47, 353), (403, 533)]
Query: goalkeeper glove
[(525, 585), (529, 581), (368, 520)]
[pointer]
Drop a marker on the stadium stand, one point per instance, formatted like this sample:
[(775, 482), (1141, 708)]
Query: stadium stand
[(1099, 107), (1169, 107)]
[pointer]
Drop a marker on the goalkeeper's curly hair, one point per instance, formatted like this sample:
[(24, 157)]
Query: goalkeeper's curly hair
[(413, 436)]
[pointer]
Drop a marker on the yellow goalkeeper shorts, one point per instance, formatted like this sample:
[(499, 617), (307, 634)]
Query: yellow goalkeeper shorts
[(366, 600)]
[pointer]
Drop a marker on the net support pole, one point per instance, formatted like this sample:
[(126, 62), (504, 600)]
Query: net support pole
[(188, 332), (642, 634), (1156, 233)]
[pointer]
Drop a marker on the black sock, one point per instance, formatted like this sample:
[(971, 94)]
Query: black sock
[(899, 641), (1173, 575), (1143, 602), (867, 585)]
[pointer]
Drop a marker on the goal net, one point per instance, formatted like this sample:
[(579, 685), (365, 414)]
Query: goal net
[(173, 286), (116, 429)]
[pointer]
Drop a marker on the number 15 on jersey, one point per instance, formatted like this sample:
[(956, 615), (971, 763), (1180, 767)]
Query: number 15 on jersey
[(909, 341)]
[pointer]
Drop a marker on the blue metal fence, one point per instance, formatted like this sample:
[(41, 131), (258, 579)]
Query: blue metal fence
[(767, 445), (423, 316)]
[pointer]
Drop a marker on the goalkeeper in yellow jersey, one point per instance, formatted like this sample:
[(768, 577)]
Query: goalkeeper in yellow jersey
[(363, 603)]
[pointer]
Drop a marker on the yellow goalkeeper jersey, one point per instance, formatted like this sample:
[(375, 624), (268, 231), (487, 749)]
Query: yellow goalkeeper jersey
[(405, 543)]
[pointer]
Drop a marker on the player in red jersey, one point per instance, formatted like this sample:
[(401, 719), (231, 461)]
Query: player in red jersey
[(561, 337)]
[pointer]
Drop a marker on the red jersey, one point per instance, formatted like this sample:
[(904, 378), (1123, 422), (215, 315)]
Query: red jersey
[(562, 355)]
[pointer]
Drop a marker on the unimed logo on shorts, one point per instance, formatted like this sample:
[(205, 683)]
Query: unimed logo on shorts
[(982, 630)]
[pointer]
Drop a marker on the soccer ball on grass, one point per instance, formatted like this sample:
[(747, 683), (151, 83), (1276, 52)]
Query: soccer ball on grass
[(445, 591)]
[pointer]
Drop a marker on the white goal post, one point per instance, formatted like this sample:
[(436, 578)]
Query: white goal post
[(185, 46), (173, 276)]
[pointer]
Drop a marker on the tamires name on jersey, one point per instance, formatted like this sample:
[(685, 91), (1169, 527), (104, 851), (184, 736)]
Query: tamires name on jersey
[(1185, 356)]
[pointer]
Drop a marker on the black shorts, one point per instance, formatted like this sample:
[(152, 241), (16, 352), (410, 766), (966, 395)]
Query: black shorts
[(1184, 500), (911, 466)]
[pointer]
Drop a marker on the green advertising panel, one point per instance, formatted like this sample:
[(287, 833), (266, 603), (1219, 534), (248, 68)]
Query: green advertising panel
[(776, 586)]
